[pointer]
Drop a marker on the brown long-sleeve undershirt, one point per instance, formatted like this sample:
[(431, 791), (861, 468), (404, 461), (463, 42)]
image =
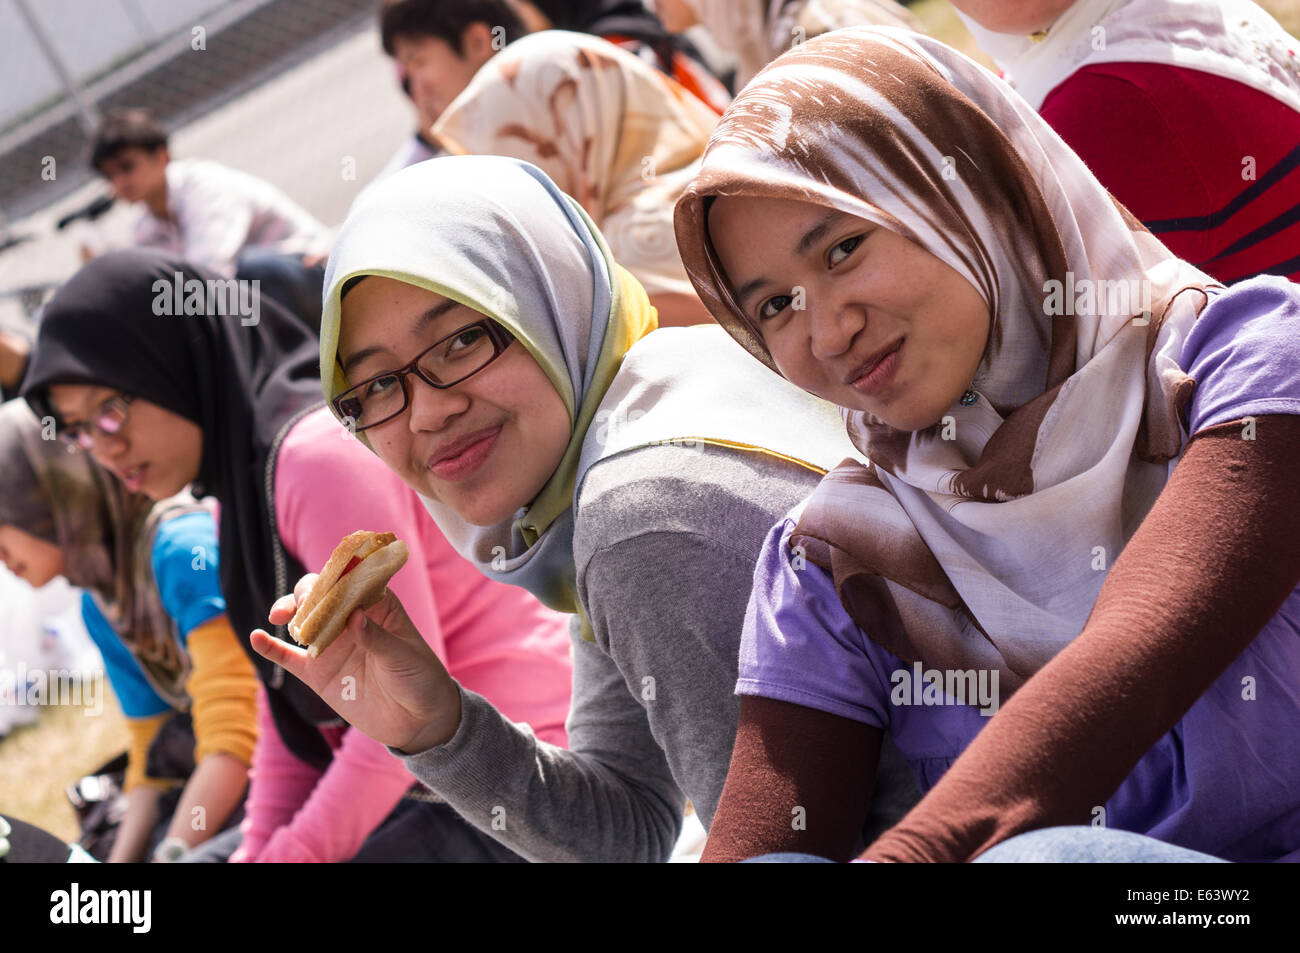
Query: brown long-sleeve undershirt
[(1209, 566)]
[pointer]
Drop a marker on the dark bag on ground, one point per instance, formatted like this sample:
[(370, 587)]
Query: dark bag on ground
[(100, 802)]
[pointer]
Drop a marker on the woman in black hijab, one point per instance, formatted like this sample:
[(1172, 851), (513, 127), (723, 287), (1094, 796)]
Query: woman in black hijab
[(112, 326)]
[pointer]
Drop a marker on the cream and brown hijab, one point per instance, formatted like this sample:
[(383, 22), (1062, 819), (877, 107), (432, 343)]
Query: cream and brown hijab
[(608, 128), (986, 550)]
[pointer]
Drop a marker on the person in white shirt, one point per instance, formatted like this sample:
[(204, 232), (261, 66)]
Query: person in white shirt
[(230, 222)]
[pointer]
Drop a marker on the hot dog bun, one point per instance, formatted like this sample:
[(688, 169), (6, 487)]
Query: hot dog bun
[(323, 614)]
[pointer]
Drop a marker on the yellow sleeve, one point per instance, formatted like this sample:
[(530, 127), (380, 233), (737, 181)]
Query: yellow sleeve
[(223, 692), (143, 731)]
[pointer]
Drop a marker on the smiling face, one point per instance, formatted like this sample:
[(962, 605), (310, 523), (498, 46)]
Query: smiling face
[(156, 452), (485, 446), (849, 310), (28, 557)]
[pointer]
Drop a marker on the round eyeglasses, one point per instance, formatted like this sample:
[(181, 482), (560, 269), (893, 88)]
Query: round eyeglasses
[(446, 363), (107, 421)]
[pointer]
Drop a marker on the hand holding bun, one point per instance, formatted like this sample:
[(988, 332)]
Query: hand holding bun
[(355, 577), (386, 680)]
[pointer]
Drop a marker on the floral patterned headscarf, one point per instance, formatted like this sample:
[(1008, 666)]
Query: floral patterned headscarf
[(609, 129)]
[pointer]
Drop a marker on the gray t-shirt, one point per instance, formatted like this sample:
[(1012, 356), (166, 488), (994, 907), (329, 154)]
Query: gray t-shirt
[(665, 543)]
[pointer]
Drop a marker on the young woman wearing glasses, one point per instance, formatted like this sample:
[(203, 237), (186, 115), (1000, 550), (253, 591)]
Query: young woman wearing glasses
[(565, 445), (163, 402)]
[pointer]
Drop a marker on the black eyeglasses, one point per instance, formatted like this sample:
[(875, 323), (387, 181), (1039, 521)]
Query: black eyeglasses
[(446, 363), (107, 421)]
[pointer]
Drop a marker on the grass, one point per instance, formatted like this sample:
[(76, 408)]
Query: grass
[(39, 760)]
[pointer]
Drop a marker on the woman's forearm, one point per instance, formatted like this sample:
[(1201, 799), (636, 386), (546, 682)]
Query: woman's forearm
[(137, 824), (1210, 565), (213, 791), (279, 784), (800, 781), (680, 310), (14, 354)]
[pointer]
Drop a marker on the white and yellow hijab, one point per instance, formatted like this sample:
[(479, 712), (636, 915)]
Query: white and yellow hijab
[(498, 236)]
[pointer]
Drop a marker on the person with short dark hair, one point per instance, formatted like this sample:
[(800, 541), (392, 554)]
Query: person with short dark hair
[(438, 46), (226, 220), (447, 20), (125, 129), (611, 130)]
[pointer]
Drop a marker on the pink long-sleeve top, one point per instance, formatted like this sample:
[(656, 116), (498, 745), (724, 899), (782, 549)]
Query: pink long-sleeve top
[(496, 640)]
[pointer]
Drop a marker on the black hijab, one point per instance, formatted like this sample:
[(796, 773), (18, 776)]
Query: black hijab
[(243, 385)]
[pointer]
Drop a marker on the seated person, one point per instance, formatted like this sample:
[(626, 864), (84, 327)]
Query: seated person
[(610, 130), (153, 606), (1134, 88), (1068, 582), (228, 221)]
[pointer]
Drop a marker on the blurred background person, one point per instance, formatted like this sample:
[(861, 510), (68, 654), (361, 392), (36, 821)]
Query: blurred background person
[(437, 47), (1188, 111), (228, 221), (632, 26), (612, 131), (153, 606), (756, 32)]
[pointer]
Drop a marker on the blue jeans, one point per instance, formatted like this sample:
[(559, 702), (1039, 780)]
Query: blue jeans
[(1090, 845), (1060, 845)]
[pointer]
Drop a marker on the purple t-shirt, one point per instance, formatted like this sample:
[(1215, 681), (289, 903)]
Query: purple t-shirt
[(1226, 779)]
